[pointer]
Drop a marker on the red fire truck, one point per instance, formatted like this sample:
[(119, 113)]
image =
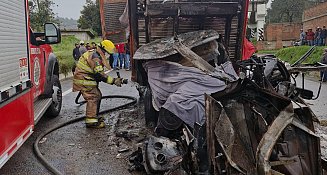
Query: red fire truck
[(29, 76)]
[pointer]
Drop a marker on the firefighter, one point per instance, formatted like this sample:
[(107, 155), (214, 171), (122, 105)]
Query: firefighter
[(88, 73)]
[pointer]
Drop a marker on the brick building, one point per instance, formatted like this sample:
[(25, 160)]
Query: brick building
[(279, 35), (283, 31), (283, 34), (315, 16)]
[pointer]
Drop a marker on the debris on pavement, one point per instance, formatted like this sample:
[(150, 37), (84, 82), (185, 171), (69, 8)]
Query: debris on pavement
[(161, 155), (123, 150), (126, 135), (136, 161), (119, 156), (43, 140)]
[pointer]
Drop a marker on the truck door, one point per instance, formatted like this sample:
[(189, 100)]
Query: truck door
[(37, 69), (16, 106)]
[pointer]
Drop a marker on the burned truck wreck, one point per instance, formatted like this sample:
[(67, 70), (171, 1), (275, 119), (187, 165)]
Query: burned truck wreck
[(212, 116)]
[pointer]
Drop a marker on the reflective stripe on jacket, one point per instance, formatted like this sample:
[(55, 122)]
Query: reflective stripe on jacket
[(83, 75), (82, 62), (85, 82)]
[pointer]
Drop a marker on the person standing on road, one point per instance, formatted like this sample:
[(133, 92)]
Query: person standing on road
[(89, 72), (324, 35), (88, 46), (302, 37), (121, 51), (76, 56), (93, 45), (76, 53), (115, 56), (310, 37), (317, 36), (127, 56), (82, 48), (323, 74)]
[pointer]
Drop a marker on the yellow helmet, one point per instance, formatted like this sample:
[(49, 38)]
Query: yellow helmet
[(108, 46)]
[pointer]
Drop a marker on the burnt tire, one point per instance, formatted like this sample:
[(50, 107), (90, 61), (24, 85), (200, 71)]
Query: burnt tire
[(151, 115), (55, 107)]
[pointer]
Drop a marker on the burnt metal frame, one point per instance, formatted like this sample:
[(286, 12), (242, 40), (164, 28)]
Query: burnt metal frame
[(286, 117), (134, 36), (182, 9), (192, 9), (175, 10), (242, 22), (101, 3)]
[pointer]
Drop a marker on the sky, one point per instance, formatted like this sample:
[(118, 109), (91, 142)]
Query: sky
[(68, 8)]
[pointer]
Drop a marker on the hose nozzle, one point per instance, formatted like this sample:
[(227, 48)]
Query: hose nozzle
[(124, 81)]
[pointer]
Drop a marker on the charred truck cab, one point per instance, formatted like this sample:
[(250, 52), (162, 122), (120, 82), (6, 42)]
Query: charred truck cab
[(151, 20), (29, 76), (213, 113)]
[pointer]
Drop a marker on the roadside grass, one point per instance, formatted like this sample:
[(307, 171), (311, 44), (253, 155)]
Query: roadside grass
[(267, 51), (64, 52), (292, 54)]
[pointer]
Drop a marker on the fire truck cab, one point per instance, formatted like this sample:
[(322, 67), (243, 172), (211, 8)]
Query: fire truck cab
[(29, 76)]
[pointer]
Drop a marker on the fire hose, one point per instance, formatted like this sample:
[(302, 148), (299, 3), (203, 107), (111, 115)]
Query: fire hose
[(37, 151)]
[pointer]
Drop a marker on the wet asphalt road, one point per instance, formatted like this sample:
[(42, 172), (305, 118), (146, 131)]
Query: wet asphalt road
[(77, 150), (319, 107)]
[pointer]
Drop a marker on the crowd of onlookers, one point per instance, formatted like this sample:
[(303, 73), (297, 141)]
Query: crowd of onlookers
[(118, 60), (316, 38), (81, 48), (313, 38), (121, 57)]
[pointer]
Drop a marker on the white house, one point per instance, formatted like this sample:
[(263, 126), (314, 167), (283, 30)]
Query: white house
[(84, 35), (257, 16)]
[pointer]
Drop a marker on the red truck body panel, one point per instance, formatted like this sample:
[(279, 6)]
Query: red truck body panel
[(16, 118), (17, 103)]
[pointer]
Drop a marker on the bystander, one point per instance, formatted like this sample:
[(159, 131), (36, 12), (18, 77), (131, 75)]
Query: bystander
[(82, 48), (127, 56), (302, 37), (317, 37), (310, 37), (121, 51), (324, 35), (323, 74), (115, 56), (76, 56)]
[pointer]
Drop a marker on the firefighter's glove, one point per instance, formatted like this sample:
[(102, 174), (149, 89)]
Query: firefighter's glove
[(98, 69), (109, 80), (118, 81)]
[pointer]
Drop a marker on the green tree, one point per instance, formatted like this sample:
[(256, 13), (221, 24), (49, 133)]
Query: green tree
[(90, 18), (40, 12), (286, 11)]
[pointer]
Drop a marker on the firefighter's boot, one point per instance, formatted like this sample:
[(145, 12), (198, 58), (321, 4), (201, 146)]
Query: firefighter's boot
[(93, 122)]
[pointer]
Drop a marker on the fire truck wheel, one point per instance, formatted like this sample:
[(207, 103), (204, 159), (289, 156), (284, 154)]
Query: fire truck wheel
[(55, 107), (151, 115)]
